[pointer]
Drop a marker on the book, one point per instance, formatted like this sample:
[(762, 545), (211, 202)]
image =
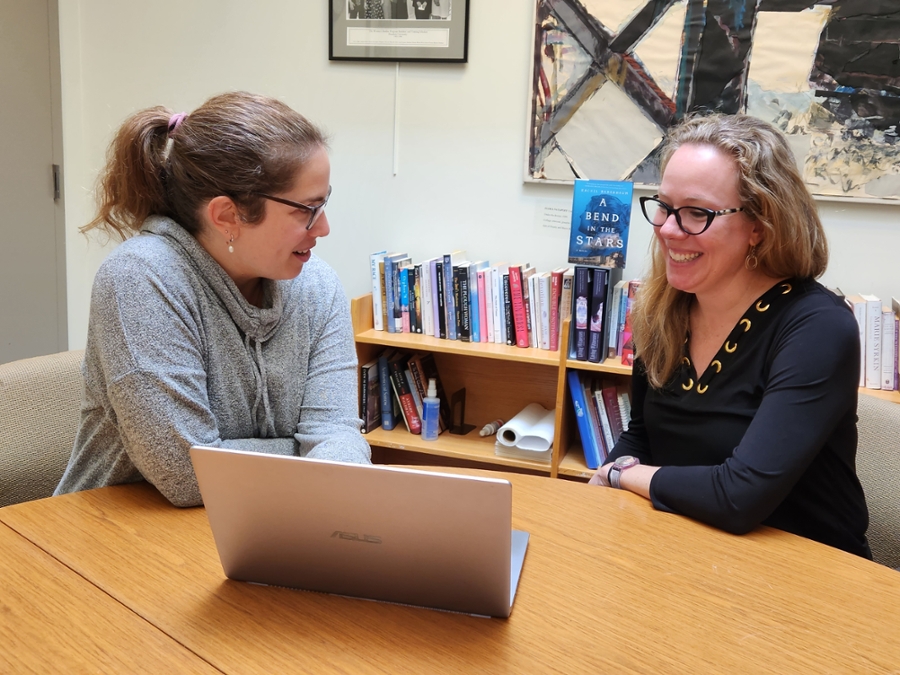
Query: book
[(517, 303), (580, 311), (388, 409), (497, 272), (627, 336), (450, 314), (873, 342), (440, 304), (601, 215), (392, 263), (486, 303), (510, 330), (599, 278), (565, 299), (588, 442), (369, 397), (527, 272), (383, 295), (612, 344), (405, 326), (858, 305), (461, 298), (377, 288), (408, 410), (888, 350), (415, 299), (613, 412), (556, 282), (474, 300), (624, 397), (895, 307), (594, 407), (426, 298), (546, 308), (534, 311)]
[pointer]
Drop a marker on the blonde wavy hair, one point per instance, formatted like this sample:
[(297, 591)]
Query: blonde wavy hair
[(772, 192)]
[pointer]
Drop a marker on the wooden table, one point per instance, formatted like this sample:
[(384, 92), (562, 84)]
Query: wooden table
[(609, 585)]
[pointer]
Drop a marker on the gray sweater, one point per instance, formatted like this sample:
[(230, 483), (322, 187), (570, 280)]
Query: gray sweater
[(176, 356)]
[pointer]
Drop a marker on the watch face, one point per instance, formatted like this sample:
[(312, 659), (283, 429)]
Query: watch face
[(626, 462)]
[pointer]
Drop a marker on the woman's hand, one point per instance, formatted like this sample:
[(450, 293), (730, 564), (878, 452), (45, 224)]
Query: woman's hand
[(601, 477)]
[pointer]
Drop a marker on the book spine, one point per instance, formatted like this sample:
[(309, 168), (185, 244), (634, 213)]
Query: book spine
[(384, 312), (888, 349), (613, 319), (389, 290), (377, 284), (588, 443), (440, 301), (565, 301), (507, 312), (859, 313), (363, 397), (554, 317), (472, 298), (873, 344), (516, 300), (580, 311), (435, 307), (611, 401), (449, 300), (499, 311), (461, 292), (387, 402), (404, 300), (603, 421), (486, 304), (417, 397), (427, 308), (598, 305), (529, 298)]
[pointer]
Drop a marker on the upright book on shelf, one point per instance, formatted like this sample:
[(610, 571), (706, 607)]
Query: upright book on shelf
[(582, 418), (598, 318), (377, 288), (601, 215), (369, 396), (389, 410), (450, 311), (580, 311)]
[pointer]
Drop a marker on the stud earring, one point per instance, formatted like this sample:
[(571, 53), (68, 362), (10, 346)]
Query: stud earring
[(230, 246)]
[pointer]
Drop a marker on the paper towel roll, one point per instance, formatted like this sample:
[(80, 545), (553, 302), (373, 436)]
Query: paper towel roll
[(531, 429)]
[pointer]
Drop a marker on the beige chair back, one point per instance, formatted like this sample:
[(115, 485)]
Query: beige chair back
[(40, 404), (878, 466)]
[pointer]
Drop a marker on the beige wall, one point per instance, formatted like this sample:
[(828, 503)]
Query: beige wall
[(459, 143)]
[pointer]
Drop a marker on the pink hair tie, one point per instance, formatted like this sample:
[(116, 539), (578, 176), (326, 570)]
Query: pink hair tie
[(175, 122)]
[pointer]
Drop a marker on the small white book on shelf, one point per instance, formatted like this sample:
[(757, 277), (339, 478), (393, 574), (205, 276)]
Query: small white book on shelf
[(873, 342)]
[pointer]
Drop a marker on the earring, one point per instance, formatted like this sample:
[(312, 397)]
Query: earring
[(230, 242), (751, 262)]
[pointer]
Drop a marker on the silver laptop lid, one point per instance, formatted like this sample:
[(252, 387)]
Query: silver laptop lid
[(400, 535)]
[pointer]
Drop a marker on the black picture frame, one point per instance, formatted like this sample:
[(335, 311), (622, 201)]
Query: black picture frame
[(358, 33)]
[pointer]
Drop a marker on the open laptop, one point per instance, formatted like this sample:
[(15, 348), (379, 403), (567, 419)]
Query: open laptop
[(435, 540)]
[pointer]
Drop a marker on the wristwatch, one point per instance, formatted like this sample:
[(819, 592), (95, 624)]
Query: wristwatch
[(620, 465)]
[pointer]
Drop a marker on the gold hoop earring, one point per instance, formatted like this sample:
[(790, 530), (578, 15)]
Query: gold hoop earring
[(751, 262)]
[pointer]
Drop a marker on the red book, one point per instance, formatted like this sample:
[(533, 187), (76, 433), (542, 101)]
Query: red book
[(611, 401), (555, 294), (397, 366), (516, 298), (627, 338)]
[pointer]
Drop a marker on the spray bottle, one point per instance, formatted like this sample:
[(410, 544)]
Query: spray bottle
[(431, 412)]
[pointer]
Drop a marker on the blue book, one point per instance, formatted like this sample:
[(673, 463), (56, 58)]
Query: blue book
[(392, 291), (585, 430), (388, 419), (474, 319), (404, 299), (601, 215)]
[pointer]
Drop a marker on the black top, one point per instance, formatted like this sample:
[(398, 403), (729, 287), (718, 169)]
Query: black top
[(767, 434)]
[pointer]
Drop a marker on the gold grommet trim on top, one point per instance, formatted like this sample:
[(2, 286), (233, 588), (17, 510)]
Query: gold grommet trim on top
[(718, 365), (701, 388), (685, 360), (747, 326), (759, 308), (730, 347), (689, 385), (787, 288)]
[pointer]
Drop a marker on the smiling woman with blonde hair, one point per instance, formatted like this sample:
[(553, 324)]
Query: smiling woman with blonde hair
[(746, 368)]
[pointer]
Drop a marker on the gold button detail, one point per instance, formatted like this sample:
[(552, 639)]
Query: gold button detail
[(746, 324), (685, 360), (718, 365), (701, 388), (760, 308), (687, 387), (787, 288), (730, 347)]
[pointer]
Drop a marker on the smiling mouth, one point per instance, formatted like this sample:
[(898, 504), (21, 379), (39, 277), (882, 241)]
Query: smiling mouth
[(304, 252), (683, 257)]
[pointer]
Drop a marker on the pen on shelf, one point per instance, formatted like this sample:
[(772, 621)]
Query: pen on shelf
[(491, 428)]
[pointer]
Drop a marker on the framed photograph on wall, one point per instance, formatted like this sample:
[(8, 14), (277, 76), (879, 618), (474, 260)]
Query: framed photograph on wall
[(399, 30)]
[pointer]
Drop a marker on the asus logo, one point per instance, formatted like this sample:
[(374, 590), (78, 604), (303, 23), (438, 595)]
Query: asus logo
[(353, 536)]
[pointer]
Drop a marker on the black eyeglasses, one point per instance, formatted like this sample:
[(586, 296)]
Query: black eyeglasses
[(691, 219), (314, 211)]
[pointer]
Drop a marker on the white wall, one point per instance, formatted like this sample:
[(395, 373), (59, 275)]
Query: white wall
[(460, 142)]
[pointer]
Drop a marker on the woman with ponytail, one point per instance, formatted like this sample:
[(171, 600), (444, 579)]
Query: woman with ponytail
[(746, 369), (213, 323)]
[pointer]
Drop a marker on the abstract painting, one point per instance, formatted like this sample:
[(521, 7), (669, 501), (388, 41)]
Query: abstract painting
[(610, 76)]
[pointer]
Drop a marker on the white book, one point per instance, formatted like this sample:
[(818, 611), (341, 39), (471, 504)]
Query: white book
[(377, 281), (543, 282), (497, 272), (620, 291), (427, 304), (487, 332), (534, 335), (873, 342), (888, 349), (858, 305)]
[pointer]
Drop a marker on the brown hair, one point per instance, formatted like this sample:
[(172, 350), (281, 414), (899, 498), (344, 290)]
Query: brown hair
[(235, 144), (772, 192)]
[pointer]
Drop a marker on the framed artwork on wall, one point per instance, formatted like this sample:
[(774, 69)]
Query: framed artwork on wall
[(611, 76), (399, 30)]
